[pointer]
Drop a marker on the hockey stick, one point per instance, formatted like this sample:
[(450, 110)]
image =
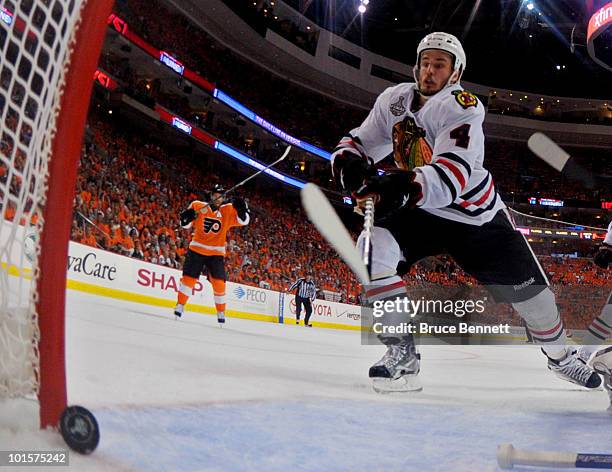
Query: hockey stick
[(326, 220), (508, 457), (240, 184), (551, 153)]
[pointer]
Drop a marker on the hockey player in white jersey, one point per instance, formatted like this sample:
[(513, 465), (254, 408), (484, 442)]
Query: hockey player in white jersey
[(600, 329), (442, 200)]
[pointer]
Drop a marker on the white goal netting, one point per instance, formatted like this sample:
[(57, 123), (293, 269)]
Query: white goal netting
[(35, 47)]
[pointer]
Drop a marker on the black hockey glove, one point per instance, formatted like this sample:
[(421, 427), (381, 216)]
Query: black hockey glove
[(402, 268), (391, 191), (241, 207), (603, 256), (350, 171), (187, 216)]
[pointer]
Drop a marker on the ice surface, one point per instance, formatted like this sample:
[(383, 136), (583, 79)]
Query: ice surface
[(187, 395)]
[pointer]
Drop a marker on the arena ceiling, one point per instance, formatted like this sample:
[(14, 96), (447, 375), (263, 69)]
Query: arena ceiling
[(509, 44)]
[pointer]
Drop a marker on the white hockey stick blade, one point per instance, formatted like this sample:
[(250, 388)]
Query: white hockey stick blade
[(547, 150), (324, 217)]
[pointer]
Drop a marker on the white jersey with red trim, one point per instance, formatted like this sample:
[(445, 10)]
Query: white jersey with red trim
[(443, 142), (608, 238)]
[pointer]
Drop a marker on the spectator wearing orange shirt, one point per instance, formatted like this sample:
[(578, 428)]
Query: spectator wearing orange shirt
[(122, 242), (88, 238)]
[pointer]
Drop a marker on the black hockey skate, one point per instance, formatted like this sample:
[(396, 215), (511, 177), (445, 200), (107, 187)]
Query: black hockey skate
[(573, 369), (398, 369)]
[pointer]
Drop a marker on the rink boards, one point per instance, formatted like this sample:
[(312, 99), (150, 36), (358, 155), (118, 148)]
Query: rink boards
[(129, 281)]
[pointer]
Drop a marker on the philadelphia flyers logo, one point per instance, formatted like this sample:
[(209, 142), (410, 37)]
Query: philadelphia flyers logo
[(212, 225)]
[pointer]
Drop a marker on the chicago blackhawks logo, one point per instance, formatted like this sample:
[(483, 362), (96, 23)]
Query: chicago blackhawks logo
[(465, 99), (410, 149), (211, 225), (398, 108)]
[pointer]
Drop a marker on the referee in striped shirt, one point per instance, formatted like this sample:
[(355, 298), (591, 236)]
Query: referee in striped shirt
[(304, 295)]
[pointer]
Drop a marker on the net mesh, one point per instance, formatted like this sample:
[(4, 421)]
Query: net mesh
[(35, 47)]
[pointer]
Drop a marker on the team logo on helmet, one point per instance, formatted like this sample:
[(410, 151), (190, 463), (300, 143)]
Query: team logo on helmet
[(465, 99), (410, 149), (398, 108)]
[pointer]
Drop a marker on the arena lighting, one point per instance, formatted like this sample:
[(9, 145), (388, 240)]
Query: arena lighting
[(171, 62), (182, 125), (530, 6), (362, 8), (105, 80), (550, 202)]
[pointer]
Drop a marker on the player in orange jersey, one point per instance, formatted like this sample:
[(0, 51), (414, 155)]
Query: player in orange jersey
[(210, 222)]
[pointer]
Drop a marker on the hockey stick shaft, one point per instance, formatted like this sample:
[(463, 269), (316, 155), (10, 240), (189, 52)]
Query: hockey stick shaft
[(508, 457), (368, 223), (240, 184)]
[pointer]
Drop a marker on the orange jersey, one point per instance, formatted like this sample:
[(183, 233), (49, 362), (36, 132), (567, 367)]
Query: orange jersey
[(210, 228)]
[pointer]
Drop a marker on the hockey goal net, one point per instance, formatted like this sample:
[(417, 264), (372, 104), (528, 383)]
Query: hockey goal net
[(48, 55)]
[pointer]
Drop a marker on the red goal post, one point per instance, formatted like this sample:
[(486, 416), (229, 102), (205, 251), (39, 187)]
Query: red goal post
[(58, 41)]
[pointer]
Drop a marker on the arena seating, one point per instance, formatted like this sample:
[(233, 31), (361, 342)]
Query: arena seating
[(136, 204)]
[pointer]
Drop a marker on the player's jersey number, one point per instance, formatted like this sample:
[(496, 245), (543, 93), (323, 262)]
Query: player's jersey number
[(461, 135)]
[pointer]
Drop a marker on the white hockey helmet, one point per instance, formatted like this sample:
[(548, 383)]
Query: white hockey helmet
[(444, 42)]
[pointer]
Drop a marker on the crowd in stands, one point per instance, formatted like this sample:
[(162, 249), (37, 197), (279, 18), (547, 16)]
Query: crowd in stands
[(290, 107), (132, 192), (129, 193), (229, 127), (131, 188), (300, 112), (137, 215)]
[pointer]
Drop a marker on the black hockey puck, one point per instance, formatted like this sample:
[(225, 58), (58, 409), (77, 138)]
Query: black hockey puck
[(80, 429)]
